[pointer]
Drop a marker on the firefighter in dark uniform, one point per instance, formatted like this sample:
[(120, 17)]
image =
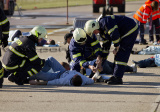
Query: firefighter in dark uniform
[(83, 49), (122, 32), (4, 34), (21, 58)]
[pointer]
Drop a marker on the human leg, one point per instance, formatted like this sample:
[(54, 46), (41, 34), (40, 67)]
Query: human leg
[(142, 40), (157, 29), (150, 62), (107, 67), (46, 76), (52, 63), (128, 69), (121, 58), (151, 38), (21, 74)]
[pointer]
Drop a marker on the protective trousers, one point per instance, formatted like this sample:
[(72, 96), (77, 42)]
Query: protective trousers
[(21, 73), (154, 24), (122, 56), (141, 32), (1, 75)]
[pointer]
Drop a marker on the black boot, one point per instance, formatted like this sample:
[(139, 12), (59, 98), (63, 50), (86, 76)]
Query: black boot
[(11, 77), (1, 82), (15, 78), (114, 81)]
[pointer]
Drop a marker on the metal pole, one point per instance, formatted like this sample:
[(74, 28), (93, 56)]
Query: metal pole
[(67, 12)]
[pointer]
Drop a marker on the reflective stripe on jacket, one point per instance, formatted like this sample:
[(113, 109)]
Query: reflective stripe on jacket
[(19, 52), (143, 13), (155, 14)]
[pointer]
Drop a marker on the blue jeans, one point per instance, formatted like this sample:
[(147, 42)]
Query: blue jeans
[(150, 62), (57, 70)]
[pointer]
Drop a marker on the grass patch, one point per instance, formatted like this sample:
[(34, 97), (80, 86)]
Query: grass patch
[(33, 4)]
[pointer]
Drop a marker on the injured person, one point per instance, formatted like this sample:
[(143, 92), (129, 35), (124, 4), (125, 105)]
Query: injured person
[(14, 35), (59, 76)]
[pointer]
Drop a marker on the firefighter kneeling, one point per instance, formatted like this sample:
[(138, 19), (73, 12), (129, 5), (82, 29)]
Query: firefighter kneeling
[(21, 59)]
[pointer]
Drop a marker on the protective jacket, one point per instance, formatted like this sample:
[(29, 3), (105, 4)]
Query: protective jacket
[(81, 54), (113, 29), (4, 27), (22, 55), (155, 14), (143, 13), (121, 31)]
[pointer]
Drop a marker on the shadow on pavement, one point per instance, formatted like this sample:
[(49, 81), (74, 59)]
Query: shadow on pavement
[(29, 88), (142, 74)]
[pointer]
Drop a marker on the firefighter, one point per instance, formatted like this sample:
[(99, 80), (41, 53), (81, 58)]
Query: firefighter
[(84, 49), (142, 15), (21, 59), (154, 21), (4, 34), (122, 32)]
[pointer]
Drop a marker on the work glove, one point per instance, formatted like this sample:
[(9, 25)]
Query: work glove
[(4, 41), (4, 44)]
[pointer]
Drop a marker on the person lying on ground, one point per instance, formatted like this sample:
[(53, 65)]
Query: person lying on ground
[(16, 34), (153, 61), (108, 68), (60, 76), (149, 50)]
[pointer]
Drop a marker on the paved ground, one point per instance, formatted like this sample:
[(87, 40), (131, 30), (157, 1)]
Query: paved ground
[(139, 93)]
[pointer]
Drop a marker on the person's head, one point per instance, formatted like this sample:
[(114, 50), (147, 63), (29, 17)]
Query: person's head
[(91, 26), (65, 65), (39, 32), (76, 80), (52, 42), (79, 36), (154, 5), (67, 38)]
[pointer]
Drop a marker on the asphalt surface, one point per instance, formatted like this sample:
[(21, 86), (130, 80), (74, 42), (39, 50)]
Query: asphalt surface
[(139, 93)]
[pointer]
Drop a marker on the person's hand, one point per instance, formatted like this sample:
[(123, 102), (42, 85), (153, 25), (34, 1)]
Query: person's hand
[(94, 69), (4, 44), (94, 78), (115, 50)]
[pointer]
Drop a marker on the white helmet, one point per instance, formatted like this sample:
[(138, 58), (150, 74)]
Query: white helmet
[(39, 32), (90, 26), (79, 35)]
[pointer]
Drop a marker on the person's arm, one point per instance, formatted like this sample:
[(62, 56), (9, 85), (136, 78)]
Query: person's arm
[(109, 24), (33, 57), (115, 50), (5, 28), (93, 68), (96, 46), (76, 55), (146, 14)]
